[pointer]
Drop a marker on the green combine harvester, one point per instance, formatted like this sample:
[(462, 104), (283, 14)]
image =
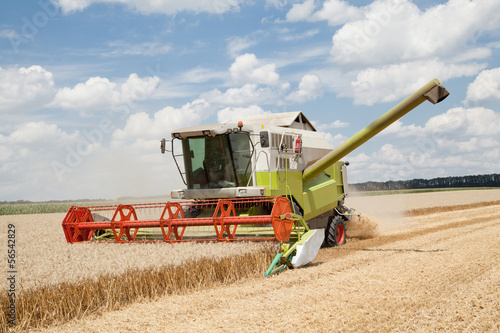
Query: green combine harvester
[(265, 178)]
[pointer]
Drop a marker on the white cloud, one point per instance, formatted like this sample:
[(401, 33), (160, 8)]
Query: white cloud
[(249, 94), (41, 161), (458, 142), (455, 124), (486, 86), (135, 148), (169, 7), (472, 54), (419, 33), (70, 6), (476, 122), (235, 114), (96, 92), (37, 134), (248, 69), (391, 83), (334, 141), (237, 44), (302, 56), (398, 129), (201, 75), (26, 156), (300, 11), (288, 36), (8, 33), (260, 84), (142, 126), (333, 125), (309, 89), (100, 93), (23, 89), (393, 47), (136, 88), (276, 3), (338, 12)]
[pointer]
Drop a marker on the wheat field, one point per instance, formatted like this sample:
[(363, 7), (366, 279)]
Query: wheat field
[(57, 281), (45, 258), (434, 270)]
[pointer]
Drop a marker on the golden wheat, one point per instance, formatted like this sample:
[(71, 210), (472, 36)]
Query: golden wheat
[(441, 278), (443, 209), (60, 281), (52, 304), (45, 258)]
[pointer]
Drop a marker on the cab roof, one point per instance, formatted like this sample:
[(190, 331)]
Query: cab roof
[(295, 119)]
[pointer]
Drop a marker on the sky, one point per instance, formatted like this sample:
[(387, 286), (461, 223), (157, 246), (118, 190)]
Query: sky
[(88, 88)]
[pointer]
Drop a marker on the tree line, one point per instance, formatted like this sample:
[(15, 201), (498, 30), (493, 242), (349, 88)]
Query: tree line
[(492, 180)]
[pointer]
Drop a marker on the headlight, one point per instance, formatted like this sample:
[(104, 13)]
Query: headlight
[(178, 194)]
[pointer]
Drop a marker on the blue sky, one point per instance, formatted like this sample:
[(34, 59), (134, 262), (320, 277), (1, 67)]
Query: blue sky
[(89, 87)]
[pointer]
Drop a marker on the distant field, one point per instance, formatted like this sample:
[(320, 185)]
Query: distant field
[(47, 207), (64, 206)]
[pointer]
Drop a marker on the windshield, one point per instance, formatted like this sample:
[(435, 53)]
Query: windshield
[(218, 161)]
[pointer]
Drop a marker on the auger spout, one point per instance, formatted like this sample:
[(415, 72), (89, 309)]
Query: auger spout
[(433, 91)]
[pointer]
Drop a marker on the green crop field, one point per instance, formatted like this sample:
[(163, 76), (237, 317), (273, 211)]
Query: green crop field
[(44, 207)]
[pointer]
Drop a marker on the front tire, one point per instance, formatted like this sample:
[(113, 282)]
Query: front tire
[(335, 233)]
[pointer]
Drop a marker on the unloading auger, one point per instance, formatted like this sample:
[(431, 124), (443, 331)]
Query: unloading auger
[(266, 178)]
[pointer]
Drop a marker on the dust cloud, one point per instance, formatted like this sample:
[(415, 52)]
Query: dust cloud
[(362, 227), (380, 215)]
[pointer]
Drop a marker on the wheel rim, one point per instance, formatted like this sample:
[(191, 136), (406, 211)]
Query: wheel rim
[(340, 234)]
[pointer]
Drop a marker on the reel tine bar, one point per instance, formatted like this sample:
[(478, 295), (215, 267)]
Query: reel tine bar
[(226, 216)]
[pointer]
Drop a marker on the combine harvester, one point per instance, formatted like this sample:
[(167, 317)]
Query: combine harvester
[(268, 178)]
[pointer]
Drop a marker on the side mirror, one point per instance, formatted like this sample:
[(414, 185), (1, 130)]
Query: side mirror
[(264, 139), (163, 143)]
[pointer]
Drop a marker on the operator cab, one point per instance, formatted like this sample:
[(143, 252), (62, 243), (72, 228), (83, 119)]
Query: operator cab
[(217, 161)]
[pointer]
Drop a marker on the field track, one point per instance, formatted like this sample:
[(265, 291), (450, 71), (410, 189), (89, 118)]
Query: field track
[(430, 272)]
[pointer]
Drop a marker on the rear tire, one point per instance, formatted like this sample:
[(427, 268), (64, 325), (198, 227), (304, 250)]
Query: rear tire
[(335, 232)]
